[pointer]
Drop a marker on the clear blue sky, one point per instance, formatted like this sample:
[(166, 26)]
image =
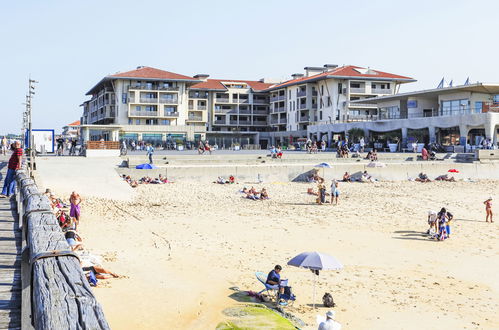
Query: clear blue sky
[(68, 46)]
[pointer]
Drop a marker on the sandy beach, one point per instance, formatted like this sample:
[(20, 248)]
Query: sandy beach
[(182, 246)]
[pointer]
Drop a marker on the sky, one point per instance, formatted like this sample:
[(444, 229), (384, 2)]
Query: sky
[(68, 46)]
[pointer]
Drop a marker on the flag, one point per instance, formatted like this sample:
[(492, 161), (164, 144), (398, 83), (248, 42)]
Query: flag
[(450, 83), (467, 82), (441, 84)]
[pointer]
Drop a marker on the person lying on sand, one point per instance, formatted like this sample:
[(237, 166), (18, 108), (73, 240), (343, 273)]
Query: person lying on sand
[(445, 177), (422, 177), (366, 177), (100, 272), (264, 194)]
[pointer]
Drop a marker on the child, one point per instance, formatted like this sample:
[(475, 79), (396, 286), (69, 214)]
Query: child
[(432, 222), (442, 224)]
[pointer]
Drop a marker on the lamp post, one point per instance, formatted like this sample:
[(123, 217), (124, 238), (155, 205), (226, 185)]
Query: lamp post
[(29, 96)]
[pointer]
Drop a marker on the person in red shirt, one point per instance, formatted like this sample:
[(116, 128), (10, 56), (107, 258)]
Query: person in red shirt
[(9, 185)]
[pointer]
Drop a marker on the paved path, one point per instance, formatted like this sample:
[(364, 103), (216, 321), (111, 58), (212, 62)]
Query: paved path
[(10, 262)]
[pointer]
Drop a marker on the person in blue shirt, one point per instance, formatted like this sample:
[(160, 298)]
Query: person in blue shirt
[(274, 278)]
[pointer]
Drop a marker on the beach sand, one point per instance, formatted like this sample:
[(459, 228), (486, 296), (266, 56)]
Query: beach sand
[(182, 246)]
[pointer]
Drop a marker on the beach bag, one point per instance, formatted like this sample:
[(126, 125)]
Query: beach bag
[(288, 294), (328, 301), (92, 279)]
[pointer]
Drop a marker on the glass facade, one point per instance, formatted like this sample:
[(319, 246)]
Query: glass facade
[(454, 107)]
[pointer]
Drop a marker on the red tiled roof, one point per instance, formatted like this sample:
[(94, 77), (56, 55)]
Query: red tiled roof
[(75, 123), (344, 71), (217, 84), (151, 73)]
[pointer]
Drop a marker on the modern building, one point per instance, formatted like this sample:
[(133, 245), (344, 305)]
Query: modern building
[(459, 115), (327, 95), (71, 131)]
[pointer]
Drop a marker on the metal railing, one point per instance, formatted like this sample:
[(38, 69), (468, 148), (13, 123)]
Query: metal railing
[(302, 106), (362, 105), (243, 100), (282, 109), (301, 93), (260, 101), (278, 98), (357, 90), (245, 111), (224, 111), (171, 114), (197, 118), (380, 91), (202, 107), (199, 96), (135, 113), (219, 122), (283, 120), (148, 100), (260, 112), (154, 88), (222, 100), (168, 101)]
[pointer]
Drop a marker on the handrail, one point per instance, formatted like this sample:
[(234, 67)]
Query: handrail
[(56, 293)]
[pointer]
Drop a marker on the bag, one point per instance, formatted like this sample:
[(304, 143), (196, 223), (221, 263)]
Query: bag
[(92, 279), (328, 301)]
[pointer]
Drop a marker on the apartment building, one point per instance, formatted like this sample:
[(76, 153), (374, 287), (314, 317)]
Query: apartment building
[(154, 105), (144, 104), (326, 95)]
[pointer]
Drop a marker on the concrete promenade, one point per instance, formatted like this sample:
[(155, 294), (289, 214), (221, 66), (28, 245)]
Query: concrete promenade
[(10, 261)]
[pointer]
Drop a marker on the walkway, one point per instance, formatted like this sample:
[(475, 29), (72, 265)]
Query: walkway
[(10, 262)]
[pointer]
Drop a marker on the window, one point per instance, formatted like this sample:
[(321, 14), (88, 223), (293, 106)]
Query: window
[(165, 122), (170, 109), (149, 85), (137, 108), (496, 98), (354, 98), (290, 108), (340, 88), (453, 107), (151, 122), (373, 85), (289, 94), (322, 90), (137, 122), (123, 98), (354, 85), (388, 86), (150, 108), (320, 115), (321, 104), (478, 107), (329, 101), (390, 113), (130, 121)]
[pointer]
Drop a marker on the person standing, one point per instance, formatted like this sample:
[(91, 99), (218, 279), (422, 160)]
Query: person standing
[(9, 185), (3, 145), (362, 144), (75, 210), (335, 191), (323, 146), (150, 152), (488, 210)]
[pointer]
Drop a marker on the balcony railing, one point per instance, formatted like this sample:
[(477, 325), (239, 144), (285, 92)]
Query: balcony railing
[(199, 96), (135, 113), (245, 111), (380, 91), (171, 114), (148, 100), (278, 98), (314, 93), (260, 101), (281, 109), (357, 90), (361, 105), (274, 120), (195, 118), (202, 107), (260, 112), (224, 110), (154, 88), (244, 122), (302, 106), (301, 93), (283, 120), (304, 119), (222, 100), (168, 101), (314, 105), (220, 122), (191, 107), (260, 122)]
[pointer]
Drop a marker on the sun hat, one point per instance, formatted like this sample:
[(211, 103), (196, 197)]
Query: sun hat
[(330, 314)]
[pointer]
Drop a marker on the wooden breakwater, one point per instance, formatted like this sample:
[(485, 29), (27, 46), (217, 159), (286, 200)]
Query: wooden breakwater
[(55, 291)]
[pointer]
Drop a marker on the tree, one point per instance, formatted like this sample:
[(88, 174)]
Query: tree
[(354, 134)]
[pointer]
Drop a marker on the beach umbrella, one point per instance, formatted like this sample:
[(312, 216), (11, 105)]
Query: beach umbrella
[(453, 170), (323, 166), (315, 261), (145, 167)]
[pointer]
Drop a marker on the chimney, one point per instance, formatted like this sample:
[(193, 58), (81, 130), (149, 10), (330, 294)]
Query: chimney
[(297, 75), (313, 70), (330, 67), (202, 76)]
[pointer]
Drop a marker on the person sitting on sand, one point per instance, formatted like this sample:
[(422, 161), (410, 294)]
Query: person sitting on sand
[(274, 278), (445, 177), (220, 180), (74, 240), (279, 153), (264, 194), (424, 153), (232, 179), (329, 323), (366, 177), (347, 177), (322, 193), (422, 177), (311, 191), (374, 156)]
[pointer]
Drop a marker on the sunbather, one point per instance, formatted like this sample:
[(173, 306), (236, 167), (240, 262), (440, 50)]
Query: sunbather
[(347, 177), (422, 177), (264, 194), (445, 177)]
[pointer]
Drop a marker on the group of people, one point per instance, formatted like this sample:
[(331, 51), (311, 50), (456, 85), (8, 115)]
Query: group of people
[(254, 194), (204, 147), (322, 193), (422, 177), (90, 264), (439, 224), (145, 180), (276, 152), (66, 144)]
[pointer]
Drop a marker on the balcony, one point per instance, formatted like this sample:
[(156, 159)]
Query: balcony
[(222, 100), (242, 101), (361, 105), (202, 107), (357, 90), (244, 122), (281, 109), (198, 96), (168, 101), (260, 101), (314, 105), (260, 112), (148, 100), (314, 93), (381, 91), (302, 106), (153, 88), (245, 111), (220, 122), (224, 111), (195, 118), (135, 113), (278, 98), (171, 114), (301, 93), (303, 119), (283, 120), (260, 122), (274, 120)]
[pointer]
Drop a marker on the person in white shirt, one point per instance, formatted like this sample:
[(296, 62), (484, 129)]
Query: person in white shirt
[(330, 323)]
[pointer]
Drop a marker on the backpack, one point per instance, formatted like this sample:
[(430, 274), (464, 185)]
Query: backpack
[(328, 301)]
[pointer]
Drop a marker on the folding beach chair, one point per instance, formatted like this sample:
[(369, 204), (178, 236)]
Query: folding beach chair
[(270, 290)]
